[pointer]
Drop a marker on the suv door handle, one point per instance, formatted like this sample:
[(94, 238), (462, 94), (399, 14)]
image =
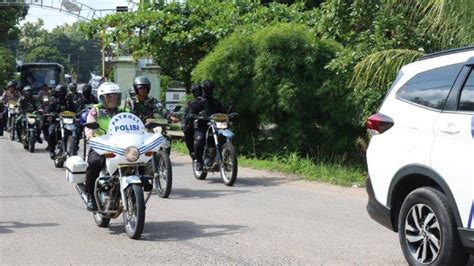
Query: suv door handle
[(450, 130)]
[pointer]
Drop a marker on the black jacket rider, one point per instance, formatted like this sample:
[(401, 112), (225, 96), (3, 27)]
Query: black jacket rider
[(59, 104), (211, 106)]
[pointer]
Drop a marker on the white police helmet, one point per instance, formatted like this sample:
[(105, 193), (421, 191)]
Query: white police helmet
[(107, 88)]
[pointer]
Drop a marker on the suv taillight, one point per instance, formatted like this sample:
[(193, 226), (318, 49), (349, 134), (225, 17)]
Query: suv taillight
[(379, 123)]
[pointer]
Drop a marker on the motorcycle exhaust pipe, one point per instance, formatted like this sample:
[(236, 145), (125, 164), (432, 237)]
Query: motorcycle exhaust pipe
[(81, 189)]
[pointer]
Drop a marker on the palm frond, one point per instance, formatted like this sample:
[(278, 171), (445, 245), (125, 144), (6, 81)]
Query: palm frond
[(380, 68), (453, 20)]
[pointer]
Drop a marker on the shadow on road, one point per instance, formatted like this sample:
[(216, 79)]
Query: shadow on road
[(184, 193), (180, 230), (253, 181), (8, 227)]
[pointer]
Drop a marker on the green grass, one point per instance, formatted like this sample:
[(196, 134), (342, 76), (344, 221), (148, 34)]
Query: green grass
[(335, 172)]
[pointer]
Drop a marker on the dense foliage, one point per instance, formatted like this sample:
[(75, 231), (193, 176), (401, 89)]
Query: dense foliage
[(9, 18), (280, 64)]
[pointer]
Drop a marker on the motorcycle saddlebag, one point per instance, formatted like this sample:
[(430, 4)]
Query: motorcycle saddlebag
[(75, 169)]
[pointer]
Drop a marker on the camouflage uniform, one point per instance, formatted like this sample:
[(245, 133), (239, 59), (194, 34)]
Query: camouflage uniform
[(147, 108), (26, 106), (77, 99)]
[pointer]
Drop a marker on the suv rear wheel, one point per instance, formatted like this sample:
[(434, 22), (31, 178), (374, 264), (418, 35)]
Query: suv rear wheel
[(427, 230)]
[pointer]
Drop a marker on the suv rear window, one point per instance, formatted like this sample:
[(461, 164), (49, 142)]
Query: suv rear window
[(466, 101), (430, 88)]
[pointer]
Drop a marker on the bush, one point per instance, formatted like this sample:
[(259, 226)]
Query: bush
[(231, 67), (276, 76)]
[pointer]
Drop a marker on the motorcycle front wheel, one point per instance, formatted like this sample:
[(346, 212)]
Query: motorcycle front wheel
[(58, 158), (12, 128), (31, 141), (228, 166), (162, 173), (134, 217), (71, 146)]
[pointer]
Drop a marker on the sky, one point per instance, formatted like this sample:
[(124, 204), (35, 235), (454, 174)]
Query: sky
[(53, 19)]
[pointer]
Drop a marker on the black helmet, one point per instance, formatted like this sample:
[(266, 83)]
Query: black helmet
[(141, 81), (87, 90), (207, 88), (72, 87), (196, 90), (60, 90), (27, 91), (12, 84)]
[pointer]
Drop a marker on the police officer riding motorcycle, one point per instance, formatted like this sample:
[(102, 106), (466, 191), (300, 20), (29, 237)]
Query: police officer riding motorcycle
[(109, 96)]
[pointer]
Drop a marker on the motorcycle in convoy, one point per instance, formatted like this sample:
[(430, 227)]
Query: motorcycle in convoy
[(13, 111), (28, 131), (127, 147), (219, 152), (66, 145), (160, 162)]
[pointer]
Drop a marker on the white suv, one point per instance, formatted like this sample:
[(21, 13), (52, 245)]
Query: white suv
[(421, 159)]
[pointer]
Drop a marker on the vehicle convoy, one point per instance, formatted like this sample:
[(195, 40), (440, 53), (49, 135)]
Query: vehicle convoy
[(127, 147), (219, 152), (421, 178)]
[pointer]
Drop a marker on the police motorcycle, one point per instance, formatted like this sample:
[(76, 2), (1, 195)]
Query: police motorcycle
[(219, 153), (66, 144), (13, 111), (160, 162), (28, 131), (127, 147)]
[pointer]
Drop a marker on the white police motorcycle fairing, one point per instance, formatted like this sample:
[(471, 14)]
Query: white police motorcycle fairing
[(127, 147)]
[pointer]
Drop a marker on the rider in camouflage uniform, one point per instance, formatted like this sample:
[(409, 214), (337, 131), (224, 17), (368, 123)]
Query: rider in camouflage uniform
[(27, 104), (74, 96), (144, 106)]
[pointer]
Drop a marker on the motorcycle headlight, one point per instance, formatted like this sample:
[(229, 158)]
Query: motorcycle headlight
[(68, 120), (221, 125), (132, 154), (31, 121)]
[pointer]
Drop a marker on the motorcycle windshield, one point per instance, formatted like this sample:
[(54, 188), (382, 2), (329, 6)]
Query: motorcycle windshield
[(126, 130)]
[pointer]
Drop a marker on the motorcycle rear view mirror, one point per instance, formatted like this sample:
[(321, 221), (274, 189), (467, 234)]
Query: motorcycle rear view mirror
[(233, 115), (176, 108), (92, 125)]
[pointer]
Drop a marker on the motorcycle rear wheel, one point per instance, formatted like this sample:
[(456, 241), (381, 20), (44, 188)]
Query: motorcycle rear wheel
[(31, 141), (163, 175), (134, 217)]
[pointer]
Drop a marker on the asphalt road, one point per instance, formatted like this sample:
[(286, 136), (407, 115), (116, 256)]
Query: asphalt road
[(266, 218)]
